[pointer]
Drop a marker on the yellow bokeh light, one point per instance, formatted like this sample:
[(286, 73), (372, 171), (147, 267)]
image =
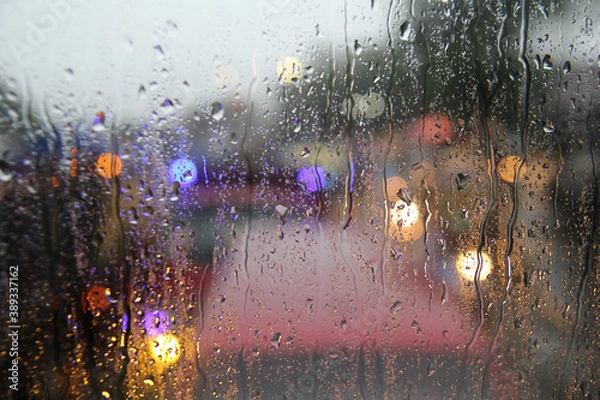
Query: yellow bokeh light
[(507, 168), (109, 165), (404, 215), (289, 70), (405, 224), (467, 263), (165, 349)]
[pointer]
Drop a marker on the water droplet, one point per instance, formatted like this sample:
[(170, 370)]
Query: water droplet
[(216, 111), (547, 62), (149, 381), (281, 210), (142, 92), (431, 370), (344, 324), (69, 74), (357, 48), (98, 125), (234, 214), (134, 216), (276, 340), (405, 31), (548, 127), (6, 176), (396, 307), (462, 180), (309, 306), (415, 325), (567, 67), (334, 354), (297, 126), (405, 196), (396, 255), (160, 55), (167, 106), (305, 152), (172, 29)]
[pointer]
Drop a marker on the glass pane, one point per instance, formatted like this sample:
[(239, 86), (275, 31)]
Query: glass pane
[(294, 200)]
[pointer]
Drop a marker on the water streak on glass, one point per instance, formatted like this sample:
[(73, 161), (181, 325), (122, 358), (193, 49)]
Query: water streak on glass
[(385, 245), (348, 126), (51, 226), (125, 273), (484, 101), (249, 184), (589, 252)]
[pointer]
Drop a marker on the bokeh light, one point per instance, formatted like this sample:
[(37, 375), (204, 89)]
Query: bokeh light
[(404, 215), (155, 323), (289, 70), (184, 171), (95, 298), (467, 263), (165, 349), (405, 224), (109, 165), (314, 179), (369, 106), (507, 168), (434, 129)]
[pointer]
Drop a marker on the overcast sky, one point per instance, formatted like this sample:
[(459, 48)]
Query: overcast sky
[(91, 56), (97, 55)]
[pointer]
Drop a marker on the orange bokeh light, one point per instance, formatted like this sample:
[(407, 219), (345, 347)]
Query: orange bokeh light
[(95, 298), (435, 129), (109, 165)]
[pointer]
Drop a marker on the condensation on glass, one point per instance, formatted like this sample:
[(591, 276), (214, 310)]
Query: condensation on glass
[(301, 200)]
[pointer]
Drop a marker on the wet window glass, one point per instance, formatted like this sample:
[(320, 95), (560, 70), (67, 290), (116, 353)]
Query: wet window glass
[(300, 200)]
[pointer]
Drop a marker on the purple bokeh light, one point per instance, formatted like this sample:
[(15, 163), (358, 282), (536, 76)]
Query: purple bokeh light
[(314, 178), (156, 323)]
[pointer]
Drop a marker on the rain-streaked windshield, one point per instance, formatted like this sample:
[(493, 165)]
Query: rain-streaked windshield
[(289, 199)]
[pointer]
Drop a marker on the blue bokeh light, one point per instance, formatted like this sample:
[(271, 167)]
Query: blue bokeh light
[(184, 171)]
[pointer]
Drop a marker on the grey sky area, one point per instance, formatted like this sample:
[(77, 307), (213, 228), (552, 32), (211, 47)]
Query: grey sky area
[(97, 56), (78, 57)]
